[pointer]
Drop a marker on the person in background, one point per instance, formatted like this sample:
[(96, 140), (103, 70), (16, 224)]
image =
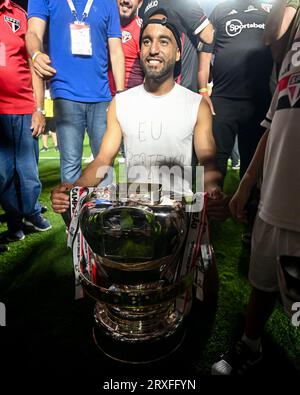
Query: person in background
[(22, 120), (82, 34), (130, 27), (240, 95)]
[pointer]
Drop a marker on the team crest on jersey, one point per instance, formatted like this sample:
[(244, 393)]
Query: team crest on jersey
[(126, 36), (266, 7), (13, 23), (293, 88)]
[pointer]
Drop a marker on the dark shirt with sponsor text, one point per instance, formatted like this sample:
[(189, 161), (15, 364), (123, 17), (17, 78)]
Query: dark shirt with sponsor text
[(242, 64)]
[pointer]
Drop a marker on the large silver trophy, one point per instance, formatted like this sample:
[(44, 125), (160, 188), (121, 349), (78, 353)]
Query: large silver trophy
[(135, 254)]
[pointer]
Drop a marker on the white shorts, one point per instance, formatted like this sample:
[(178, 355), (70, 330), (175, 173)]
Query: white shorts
[(268, 243)]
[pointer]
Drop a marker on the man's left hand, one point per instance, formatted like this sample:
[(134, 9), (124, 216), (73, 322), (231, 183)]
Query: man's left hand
[(38, 123), (218, 205)]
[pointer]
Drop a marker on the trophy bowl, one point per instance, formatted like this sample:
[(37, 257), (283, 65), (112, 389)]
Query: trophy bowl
[(136, 273)]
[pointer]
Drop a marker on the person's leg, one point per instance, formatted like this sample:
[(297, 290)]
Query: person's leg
[(29, 185), (45, 142), (70, 127), (235, 155), (96, 126), (27, 154), (250, 131), (224, 130), (263, 278), (260, 306), (9, 199), (51, 128), (54, 138)]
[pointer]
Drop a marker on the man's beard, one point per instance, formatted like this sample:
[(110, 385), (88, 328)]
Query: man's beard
[(158, 75), (125, 20)]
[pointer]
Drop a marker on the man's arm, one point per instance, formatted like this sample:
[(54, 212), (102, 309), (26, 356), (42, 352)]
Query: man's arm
[(279, 20), (38, 119), (204, 144), (207, 34), (97, 169), (250, 179), (34, 42), (206, 51), (204, 59), (194, 19), (117, 62), (205, 148)]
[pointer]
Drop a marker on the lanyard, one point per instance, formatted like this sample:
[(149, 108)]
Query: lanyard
[(85, 11)]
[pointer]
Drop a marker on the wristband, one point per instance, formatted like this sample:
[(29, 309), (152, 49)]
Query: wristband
[(33, 57), (203, 91)]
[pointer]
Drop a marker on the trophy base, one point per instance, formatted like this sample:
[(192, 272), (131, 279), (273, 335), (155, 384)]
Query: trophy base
[(138, 352)]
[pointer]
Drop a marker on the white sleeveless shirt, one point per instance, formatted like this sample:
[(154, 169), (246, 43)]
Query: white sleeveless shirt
[(158, 135)]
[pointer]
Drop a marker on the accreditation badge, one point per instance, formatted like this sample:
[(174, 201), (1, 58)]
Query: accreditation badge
[(81, 43)]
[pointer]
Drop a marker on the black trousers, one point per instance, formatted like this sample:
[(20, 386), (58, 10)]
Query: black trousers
[(238, 117)]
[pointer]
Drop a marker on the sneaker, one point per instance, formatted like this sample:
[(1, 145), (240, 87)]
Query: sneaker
[(38, 222), (237, 361), (236, 167), (16, 236), (44, 149)]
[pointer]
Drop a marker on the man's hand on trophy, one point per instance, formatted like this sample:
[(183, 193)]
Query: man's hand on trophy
[(60, 197), (218, 205)]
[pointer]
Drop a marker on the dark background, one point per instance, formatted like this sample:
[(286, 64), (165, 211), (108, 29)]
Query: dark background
[(22, 3)]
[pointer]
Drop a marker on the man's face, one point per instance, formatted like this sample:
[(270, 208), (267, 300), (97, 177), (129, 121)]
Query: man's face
[(128, 10), (159, 52)]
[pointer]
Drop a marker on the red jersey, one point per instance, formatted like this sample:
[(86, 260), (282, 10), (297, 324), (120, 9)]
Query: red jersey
[(131, 48), (16, 93)]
